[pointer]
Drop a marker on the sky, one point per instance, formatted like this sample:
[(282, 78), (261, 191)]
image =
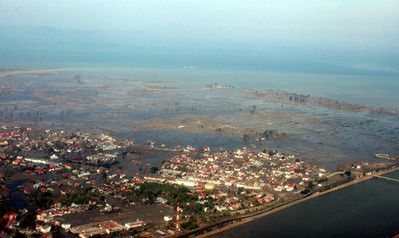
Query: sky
[(359, 34)]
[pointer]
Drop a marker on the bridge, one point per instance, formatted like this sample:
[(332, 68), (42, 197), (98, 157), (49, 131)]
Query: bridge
[(386, 178)]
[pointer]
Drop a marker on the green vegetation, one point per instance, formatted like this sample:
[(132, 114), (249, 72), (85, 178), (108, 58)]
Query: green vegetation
[(310, 185), (321, 180), (246, 137), (269, 152), (82, 196), (173, 194), (42, 200), (154, 170), (253, 110), (189, 225)]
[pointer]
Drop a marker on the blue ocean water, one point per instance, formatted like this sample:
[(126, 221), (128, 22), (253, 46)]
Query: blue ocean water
[(373, 90), (364, 78)]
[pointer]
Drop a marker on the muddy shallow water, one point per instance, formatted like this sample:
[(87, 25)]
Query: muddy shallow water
[(177, 112)]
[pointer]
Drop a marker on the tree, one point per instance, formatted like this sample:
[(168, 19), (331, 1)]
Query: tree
[(271, 152), (28, 219), (253, 110), (310, 185), (174, 194), (154, 170), (189, 225)]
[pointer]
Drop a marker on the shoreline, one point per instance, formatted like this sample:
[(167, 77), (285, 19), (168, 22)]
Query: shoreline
[(301, 200)]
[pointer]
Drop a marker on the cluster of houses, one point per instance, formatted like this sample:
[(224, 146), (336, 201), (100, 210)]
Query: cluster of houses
[(265, 175), (59, 164), (68, 165)]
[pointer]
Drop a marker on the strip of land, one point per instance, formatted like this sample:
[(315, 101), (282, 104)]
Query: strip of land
[(250, 217)]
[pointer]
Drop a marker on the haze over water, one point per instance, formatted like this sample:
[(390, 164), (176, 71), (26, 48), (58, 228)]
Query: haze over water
[(336, 49), (371, 90)]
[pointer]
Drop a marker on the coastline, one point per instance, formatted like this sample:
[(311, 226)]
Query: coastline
[(301, 200)]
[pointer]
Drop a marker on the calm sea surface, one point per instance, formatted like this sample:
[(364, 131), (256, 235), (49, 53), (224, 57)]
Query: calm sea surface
[(363, 89), (369, 90)]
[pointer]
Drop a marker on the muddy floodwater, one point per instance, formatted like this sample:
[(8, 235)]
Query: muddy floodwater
[(216, 109)]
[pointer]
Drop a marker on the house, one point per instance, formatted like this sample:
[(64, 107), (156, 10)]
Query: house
[(186, 182), (270, 197), (220, 208), (235, 206), (161, 232), (54, 157), (3, 143), (161, 200), (16, 161), (209, 186), (261, 200), (45, 229), (66, 226), (9, 218), (202, 196), (3, 156), (39, 171), (134, 224), (97, 228)]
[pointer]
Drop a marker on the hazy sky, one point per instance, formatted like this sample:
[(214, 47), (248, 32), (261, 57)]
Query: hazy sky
[(366, 28)]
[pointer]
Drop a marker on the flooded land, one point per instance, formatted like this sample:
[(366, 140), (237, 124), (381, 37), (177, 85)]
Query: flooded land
[(170, 109), (100, 148)]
